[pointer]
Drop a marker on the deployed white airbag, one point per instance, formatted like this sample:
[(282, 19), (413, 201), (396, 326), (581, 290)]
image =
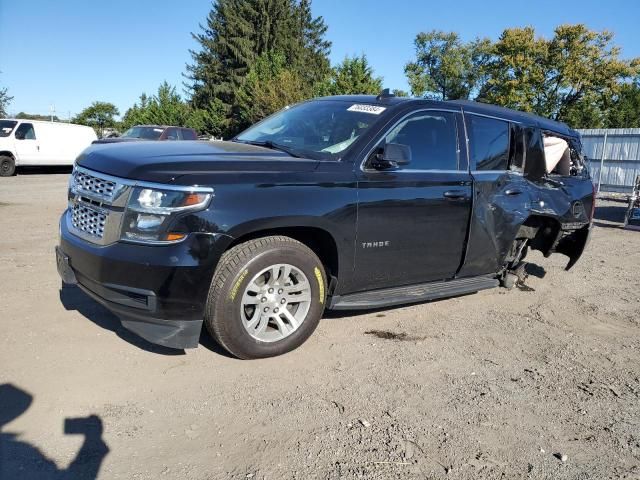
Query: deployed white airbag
[(555, 149)]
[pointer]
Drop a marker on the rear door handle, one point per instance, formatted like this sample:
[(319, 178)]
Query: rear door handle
[(513, 191), (455, 195)]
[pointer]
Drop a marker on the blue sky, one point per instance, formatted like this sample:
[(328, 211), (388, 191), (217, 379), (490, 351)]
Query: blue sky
[(72, 52)]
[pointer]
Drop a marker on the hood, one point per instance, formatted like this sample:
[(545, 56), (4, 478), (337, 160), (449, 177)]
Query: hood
[(187, 162)]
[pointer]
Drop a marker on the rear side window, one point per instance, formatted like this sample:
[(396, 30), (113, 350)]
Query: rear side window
[(489, 142), (6, 127), (25, 131), (188, 134), (433, 140), (171, 134)]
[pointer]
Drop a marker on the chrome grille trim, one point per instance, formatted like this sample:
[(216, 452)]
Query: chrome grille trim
[(89, 220), (85, 183)]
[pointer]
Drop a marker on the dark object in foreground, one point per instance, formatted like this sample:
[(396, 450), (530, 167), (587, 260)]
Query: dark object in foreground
[(350, 202)]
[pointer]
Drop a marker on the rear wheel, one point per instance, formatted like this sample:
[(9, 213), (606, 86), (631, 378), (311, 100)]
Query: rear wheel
[(7, 166), (266, 298)]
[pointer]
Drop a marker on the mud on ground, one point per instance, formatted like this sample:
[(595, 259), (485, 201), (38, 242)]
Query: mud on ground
[(499, 384)]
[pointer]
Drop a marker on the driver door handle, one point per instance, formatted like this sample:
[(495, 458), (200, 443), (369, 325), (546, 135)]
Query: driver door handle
[(455, 195), (512, 191)]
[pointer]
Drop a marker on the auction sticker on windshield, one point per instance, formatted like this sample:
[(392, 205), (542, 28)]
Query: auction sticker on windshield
[(372, 109)]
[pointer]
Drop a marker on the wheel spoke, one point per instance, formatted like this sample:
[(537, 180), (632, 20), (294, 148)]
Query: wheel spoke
[(293, 321), (283, 328), (298, 287), (286, 273), (274, 272), (251, 323), (300, 297), (253, 286), (250, 299), (262, 324)]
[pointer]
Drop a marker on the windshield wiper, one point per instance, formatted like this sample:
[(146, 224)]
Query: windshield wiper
[(273, 146)]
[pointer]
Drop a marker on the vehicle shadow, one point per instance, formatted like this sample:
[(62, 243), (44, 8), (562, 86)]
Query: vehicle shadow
[(73, 298), (21, 460), (608, 213), (31, 170)]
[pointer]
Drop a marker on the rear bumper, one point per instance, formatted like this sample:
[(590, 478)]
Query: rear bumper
[(158, 292)]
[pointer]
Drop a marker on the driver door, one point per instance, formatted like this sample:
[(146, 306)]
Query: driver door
[(26, 144), (412, 219)]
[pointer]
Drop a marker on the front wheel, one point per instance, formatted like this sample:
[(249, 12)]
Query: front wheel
[(7, 166), (266, 297)]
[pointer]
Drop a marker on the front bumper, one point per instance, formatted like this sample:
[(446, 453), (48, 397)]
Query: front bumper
[(158, 292)]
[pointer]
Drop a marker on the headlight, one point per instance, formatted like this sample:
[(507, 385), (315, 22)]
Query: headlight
[(150, 212)]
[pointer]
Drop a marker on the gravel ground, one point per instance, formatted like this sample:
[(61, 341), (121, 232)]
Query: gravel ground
[(538, 382)]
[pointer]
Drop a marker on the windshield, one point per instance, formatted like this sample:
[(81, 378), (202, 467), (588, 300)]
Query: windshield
[(147, 133), (6, 127), (316, 129)]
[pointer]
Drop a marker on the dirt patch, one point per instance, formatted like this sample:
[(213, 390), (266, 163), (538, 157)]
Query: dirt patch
[(387, 335), (508, 384)]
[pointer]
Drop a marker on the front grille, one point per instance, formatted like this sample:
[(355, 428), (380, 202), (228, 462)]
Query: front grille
[(88, 220), (90, 184)]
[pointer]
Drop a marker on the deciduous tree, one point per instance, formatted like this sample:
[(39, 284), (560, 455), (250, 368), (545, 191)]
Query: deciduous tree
[(99, 115), (446, 67)]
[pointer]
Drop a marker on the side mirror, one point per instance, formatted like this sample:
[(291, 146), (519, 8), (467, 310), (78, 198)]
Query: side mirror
[(393, 155), (20, 135)]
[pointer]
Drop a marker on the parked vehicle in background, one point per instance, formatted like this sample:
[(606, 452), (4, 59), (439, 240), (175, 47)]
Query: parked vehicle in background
[(40, 143), (152, 132), (349, 202)]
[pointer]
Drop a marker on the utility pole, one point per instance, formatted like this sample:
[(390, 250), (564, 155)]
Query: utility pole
[(52, 109)]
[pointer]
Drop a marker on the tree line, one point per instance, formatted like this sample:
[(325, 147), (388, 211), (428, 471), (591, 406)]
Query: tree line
[(254, 57)]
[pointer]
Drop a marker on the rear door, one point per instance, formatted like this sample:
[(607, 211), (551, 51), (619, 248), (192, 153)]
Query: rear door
[(501, 193), (412, 220), (27, 144)]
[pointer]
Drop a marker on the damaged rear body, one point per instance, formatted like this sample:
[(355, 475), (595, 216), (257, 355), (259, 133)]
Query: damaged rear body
[(544, 200)]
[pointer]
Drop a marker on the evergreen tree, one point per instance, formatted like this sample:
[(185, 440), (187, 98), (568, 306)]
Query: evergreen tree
[(355, 76), (237, 33)]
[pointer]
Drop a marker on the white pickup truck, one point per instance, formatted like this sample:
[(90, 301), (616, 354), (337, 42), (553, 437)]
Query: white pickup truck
[(35, 143)]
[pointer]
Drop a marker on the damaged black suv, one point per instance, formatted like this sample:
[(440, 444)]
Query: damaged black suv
[(351, 202)]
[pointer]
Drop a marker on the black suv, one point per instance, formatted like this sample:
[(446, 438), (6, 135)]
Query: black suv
[(351, 202)]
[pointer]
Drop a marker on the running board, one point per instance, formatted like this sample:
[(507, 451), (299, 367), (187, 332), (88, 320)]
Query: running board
[(411, 293)]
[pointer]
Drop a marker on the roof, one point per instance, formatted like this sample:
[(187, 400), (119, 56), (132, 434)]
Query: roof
[(507, 113), (467, 105), (391, 100), (44, 122)]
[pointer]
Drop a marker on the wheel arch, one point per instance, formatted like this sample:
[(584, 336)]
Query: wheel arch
[(317, 239), (542, 232)]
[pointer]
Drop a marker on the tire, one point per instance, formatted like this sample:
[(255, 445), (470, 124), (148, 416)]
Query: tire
[(255, 277), (7, 166)]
